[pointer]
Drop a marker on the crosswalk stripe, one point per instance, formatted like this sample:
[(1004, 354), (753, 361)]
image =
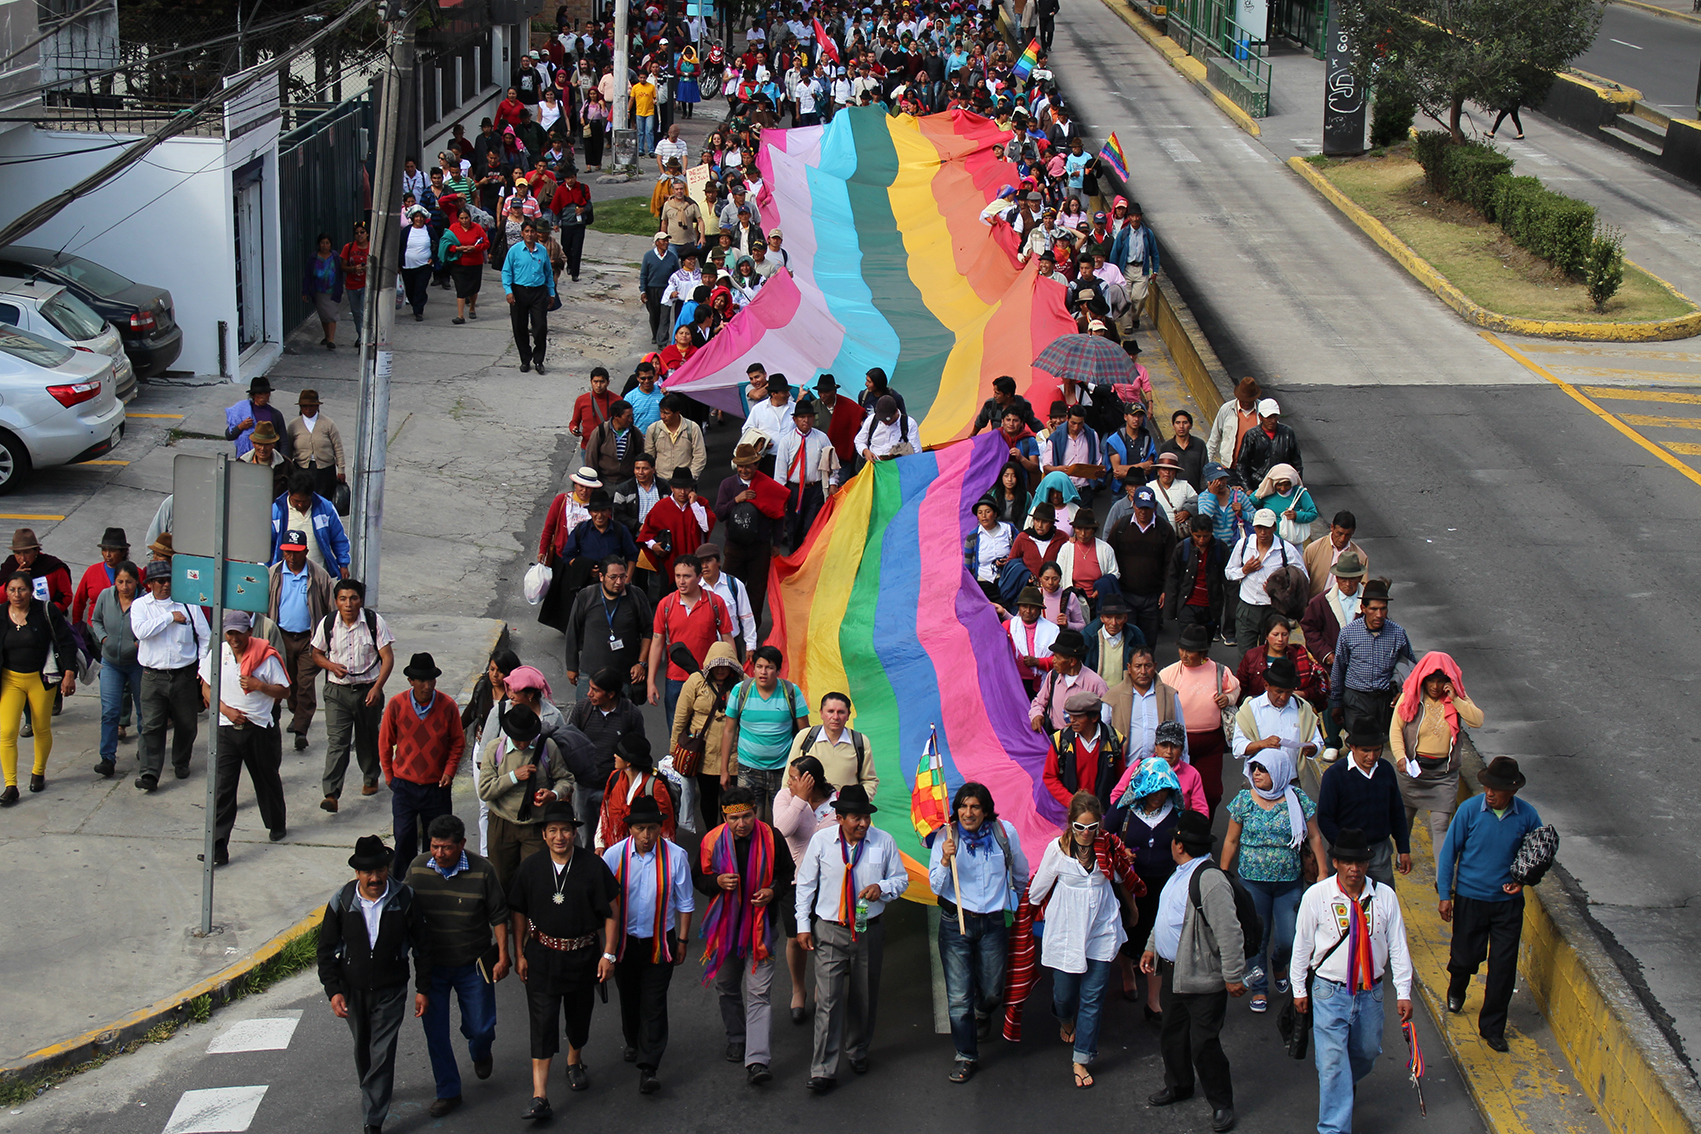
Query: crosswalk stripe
[(220, 1110), (1629, 375), (1611, 352), (1618, 394), (1646, 421), (1176, 150), (1687, 448), (266, 1034)]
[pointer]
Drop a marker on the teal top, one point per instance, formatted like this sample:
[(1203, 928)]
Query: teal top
[(1264, 836)]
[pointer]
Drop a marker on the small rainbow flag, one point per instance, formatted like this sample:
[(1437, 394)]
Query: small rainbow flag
[(1113, 154), (1025, 65), (928, 809)]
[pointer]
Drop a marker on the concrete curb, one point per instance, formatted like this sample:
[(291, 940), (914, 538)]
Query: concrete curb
[(1207, 379), (1190, 68), (1656, 10), (1663, 330), (112, 1037)]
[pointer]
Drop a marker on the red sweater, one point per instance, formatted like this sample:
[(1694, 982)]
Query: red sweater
[(94, 581), (420, 751)]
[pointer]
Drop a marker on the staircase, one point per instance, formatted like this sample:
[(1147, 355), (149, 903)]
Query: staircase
[(1641, 132)]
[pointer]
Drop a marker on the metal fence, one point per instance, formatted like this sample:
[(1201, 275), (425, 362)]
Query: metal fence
[(1303, 21), (1233, 61), (324, 185)]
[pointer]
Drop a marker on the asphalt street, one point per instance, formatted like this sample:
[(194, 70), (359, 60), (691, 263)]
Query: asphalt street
[(1658, 56)]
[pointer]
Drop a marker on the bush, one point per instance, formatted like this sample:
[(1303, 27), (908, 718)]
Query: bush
[(1471, 174), (1604, 271), (1391, 116), (1548, 224), (1430, 149)]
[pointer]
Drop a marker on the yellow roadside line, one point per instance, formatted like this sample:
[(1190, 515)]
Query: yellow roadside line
[(1604, 372), (1626, 394), (1530, 365), (104, 462), (26, 516), (1650, 421), (170, 416), (1612, 352)]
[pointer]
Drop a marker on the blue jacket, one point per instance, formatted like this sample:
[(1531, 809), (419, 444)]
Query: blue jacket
[(328, 532), (1131, 637), (1122, 245), (235, 415), (1482, 847)]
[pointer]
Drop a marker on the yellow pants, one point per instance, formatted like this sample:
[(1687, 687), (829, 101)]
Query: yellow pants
[(15, 690)]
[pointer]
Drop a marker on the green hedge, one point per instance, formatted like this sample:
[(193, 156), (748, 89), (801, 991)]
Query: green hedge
[(1548, 224)]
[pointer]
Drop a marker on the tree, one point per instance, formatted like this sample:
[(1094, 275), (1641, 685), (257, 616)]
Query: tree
[(1446, 53)]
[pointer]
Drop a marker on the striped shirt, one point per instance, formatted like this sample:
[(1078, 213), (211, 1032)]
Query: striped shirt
[(1365, 661), (459, 909), (765, 723)]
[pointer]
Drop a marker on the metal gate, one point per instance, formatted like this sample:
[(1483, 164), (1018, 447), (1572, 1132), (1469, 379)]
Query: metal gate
[(1303, 21), (324, 185)]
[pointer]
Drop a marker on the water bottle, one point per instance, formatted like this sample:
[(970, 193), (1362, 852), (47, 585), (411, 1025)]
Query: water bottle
[(862, 915)]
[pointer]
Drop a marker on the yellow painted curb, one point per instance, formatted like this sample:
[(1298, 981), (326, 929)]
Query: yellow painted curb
[(1190, 67), (108, 1036), (1610, 90), (1656, 10), (1662, 330)]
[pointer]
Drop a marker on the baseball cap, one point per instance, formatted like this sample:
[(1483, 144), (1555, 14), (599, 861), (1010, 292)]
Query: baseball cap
[(295, 540), (1268, 408)]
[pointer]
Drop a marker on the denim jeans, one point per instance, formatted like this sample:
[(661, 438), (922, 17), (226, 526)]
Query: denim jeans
[(646, 135), (1080, 997), (1347, 1032), (1278, 903), (974, 974), (478, 1022), (120, 691)]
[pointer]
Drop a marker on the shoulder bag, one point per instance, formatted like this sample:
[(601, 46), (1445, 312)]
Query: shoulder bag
[(1294, 1025)]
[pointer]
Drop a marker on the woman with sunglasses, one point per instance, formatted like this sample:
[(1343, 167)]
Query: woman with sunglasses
[(1088, 875)]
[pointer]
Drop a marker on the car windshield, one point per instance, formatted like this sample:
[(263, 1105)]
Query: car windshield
[(74, 319), (91, 275), (33, 348)]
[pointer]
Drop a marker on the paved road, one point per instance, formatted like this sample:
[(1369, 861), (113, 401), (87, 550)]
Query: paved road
[(1525, 535), (1658, 56)]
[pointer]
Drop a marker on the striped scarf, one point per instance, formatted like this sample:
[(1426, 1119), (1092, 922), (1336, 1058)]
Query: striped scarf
[(847, 890), (659, 951), (1361, 962), (734, 926)]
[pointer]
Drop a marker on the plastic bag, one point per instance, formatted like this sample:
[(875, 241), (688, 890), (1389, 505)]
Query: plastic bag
[(538, 578)]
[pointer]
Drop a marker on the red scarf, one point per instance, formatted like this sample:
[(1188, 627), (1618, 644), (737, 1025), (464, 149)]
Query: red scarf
[(255, 655)]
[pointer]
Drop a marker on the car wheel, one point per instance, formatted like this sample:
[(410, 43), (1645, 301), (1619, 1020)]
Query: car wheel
[(14, 462)]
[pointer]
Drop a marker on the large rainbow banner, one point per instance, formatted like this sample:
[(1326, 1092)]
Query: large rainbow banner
[(878, 605), (893, 268)]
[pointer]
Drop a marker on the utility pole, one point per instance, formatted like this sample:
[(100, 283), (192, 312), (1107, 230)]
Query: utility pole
[(371, 433), (622, 81)]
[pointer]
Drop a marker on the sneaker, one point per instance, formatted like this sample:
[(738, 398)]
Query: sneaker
[(1330, 755), (1260, 1003), (1281, 986), (757, 1074)]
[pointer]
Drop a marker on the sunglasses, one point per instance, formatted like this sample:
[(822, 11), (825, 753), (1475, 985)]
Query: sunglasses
[(1083, 828)]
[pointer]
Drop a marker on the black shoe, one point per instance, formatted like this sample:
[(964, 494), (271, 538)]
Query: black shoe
[(218, 859), (648, 1084), (629, 1054), (418, 318), (1168, 1097), (37, 782), (539, 368), (277, 836), (525, 368), (735, 1052), (798, 1015), (1153, 1017), (1222, 1119), (147, 783), (370, 1128), (105, 768), (757, 1074), (540, 1111), (860, 1066), (181, 773), (820, 1084), (1498, 1043), (577, 1078), (440, 1107), (962, 1071), (1455, 1004), (457, 320), (301, 742), (481, 1067), (9, 796)]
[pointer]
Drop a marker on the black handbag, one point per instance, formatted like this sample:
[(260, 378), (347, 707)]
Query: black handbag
[(1294, 1025), (340, 498)]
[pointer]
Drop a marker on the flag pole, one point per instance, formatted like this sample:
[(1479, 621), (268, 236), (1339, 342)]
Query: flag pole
[(956, 882)]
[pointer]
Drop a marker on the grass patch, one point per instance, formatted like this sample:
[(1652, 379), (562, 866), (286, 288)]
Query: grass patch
[(1478, 259), (628, 215)]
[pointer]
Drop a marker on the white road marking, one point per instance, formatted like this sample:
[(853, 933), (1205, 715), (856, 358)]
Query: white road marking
[(270, 1034), (1631, 45), (222, 1110), (1177, 151), (1248, 151)]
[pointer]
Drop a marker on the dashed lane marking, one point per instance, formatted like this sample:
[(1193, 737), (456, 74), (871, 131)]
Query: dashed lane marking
[(1618, 394), (267, 1034), (220, 1110)]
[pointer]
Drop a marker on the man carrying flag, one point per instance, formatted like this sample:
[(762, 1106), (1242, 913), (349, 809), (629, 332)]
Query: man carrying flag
[(978, 871), (743, 867), (848, 874), (1029, 59), (825, 48)]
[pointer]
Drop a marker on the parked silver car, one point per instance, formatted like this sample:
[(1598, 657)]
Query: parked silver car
[(51, 311), (58, 406)]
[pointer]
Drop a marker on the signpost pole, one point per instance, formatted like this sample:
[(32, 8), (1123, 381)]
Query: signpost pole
[(221, 522)]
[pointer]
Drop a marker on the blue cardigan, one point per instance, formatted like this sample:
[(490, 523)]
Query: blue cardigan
[(1482, 847)]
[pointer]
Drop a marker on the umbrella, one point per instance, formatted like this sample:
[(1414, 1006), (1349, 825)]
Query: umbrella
[(1087, 358), (1414, 1063), (1021, 972)]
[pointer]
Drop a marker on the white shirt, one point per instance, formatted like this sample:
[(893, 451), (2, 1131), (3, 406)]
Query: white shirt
[(770, 420), (353, 647), (1281, 554), (820, 461), (1084, 921), (256, 706), (373, 911), (1178, 496), (1271, 721), (882, 438), (737, 599), (1321, 921), (993, 545), (310, 422), (666, 149), (821, 875), (418, 241), (161, 641)]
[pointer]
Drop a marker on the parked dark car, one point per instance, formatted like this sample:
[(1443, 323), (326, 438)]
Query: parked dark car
[(142, 313)]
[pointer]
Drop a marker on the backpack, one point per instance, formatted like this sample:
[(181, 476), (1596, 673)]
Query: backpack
[(744, 524), (749, 683), (371, 628), (857, 740), (1251, 926)]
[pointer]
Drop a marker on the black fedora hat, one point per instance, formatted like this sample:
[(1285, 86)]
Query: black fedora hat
[(422, 667), (1193, 831), (1349, 846), (1282, 674), (560, 811), (1502, 774), (1366, 735), (853, 800), (115, 539), (1196, 637), (644, 809), (634, 748), (369, 853), (1069, 644)]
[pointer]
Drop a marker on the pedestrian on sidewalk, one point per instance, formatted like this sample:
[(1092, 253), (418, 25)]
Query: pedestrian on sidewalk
[(1363, 681), (301, 598), (1481, 898), (746, 871), (518, 778), (470, 244), (356, 649), (370, 926), (120, 672), (114, 549), (562, 904), (251, 683), (529, 282), (1350, 937), (1361, 793), (420, 742), (847, 876), (417, 261), (466, 916), (37, 646), (1195, 947), (977, 867), (316, 445), (241, 418), (1428, 732), (653, 881), (169, 639)]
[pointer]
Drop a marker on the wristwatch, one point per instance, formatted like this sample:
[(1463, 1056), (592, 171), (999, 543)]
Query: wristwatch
[(609, 957)]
